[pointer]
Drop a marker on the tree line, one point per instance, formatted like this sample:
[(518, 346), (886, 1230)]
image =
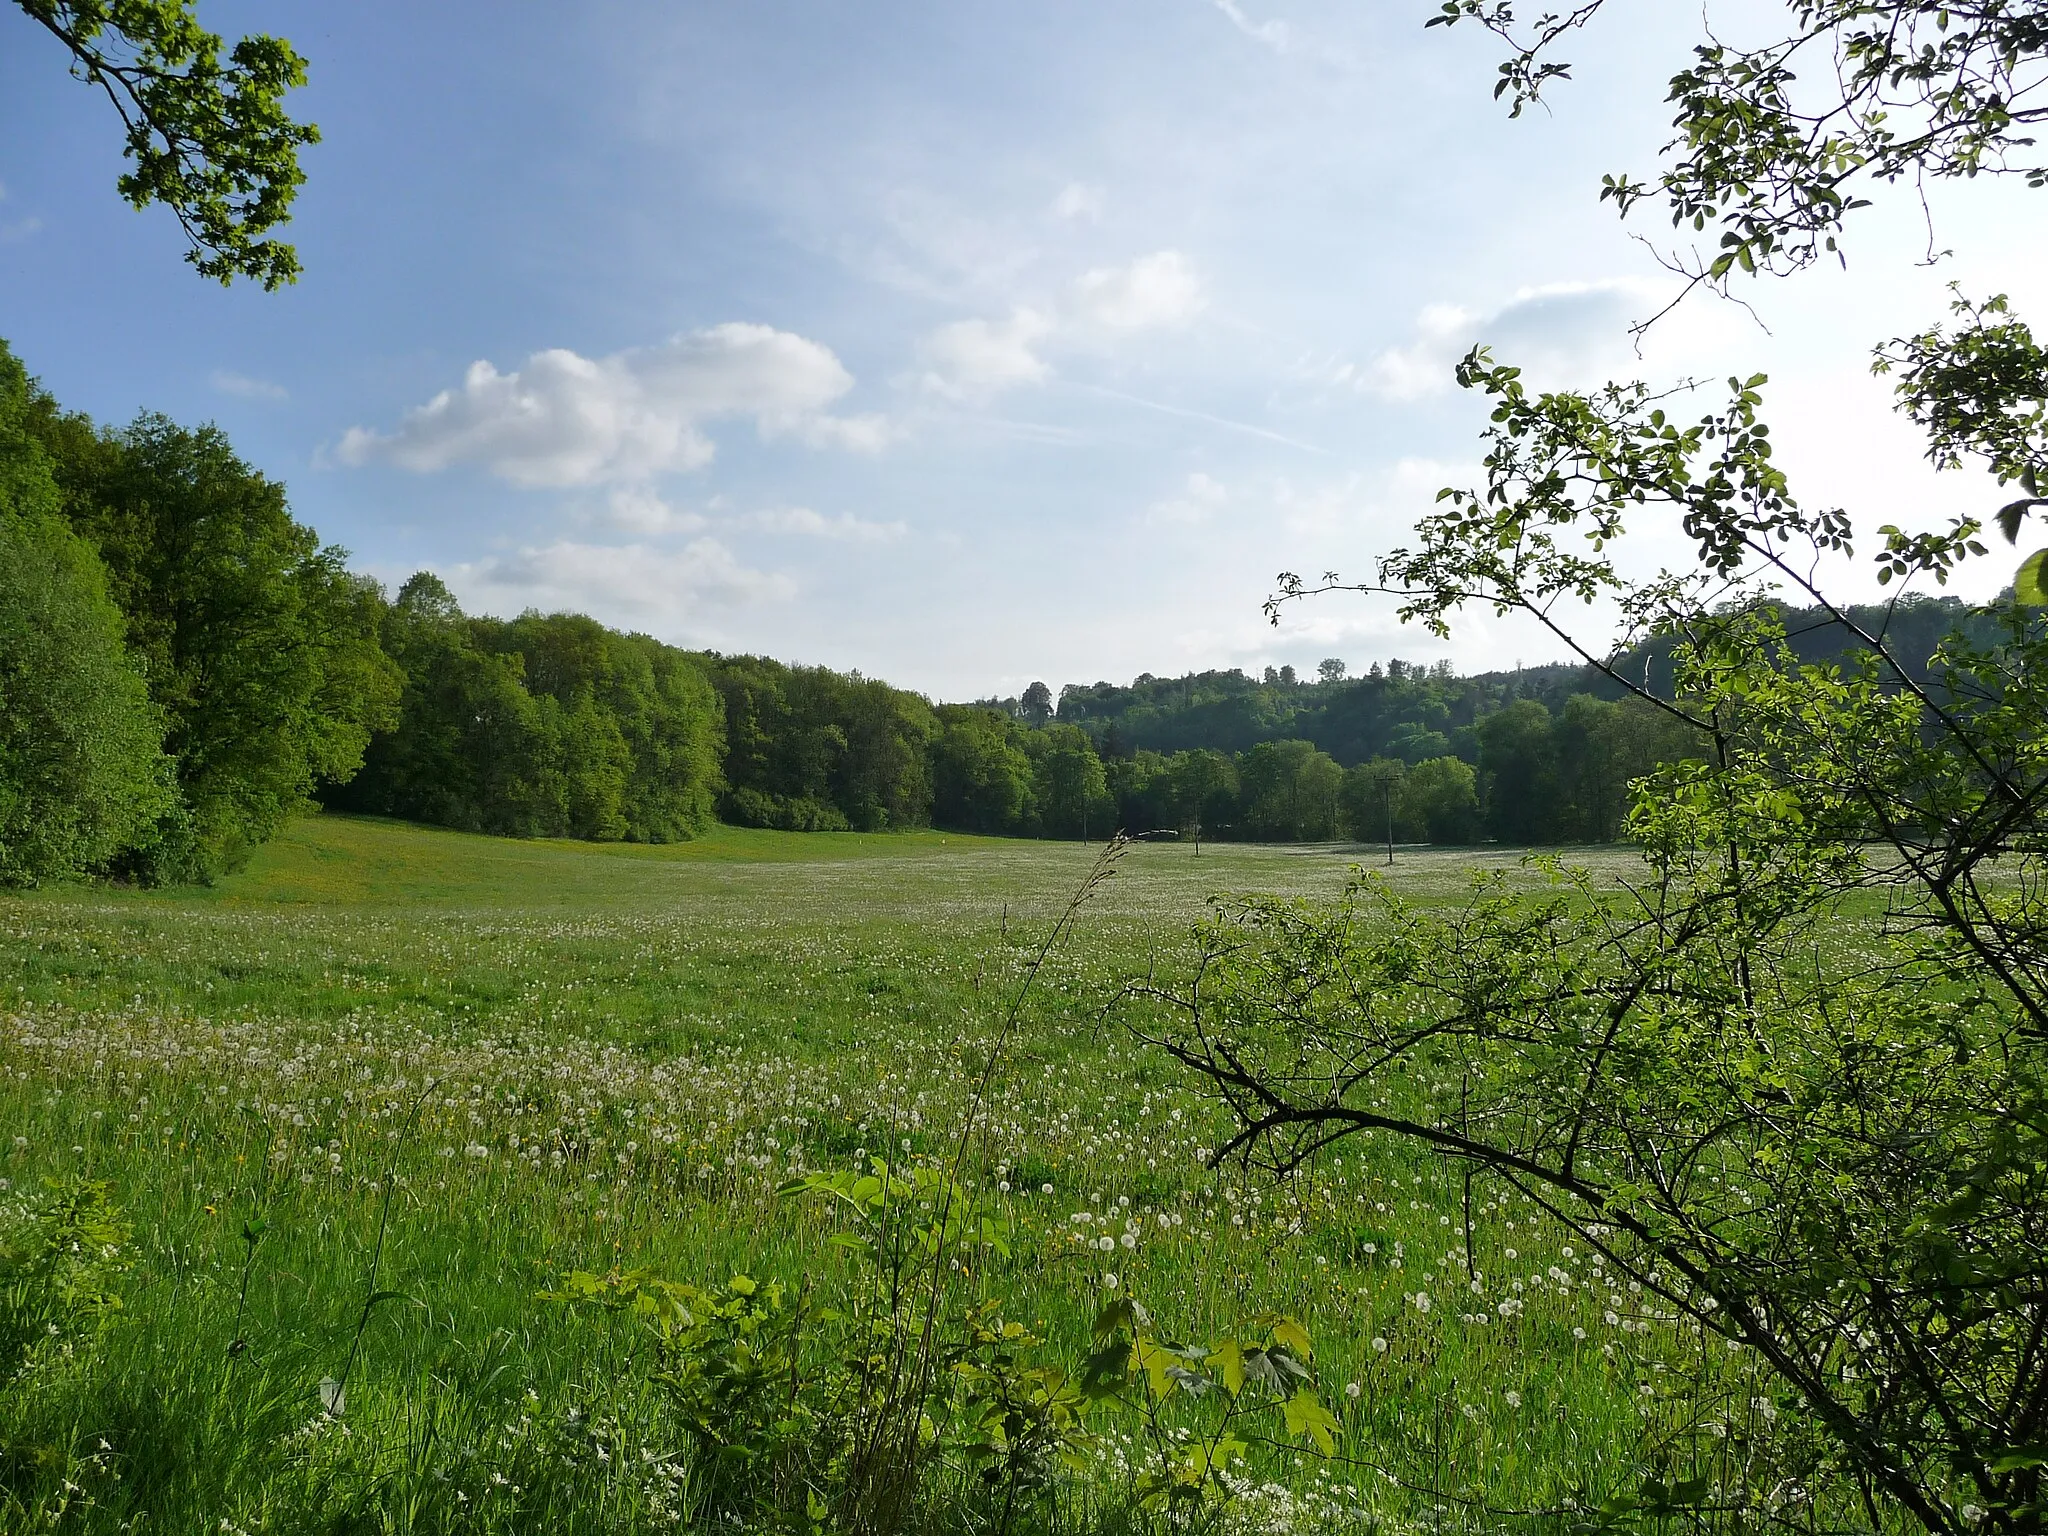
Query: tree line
[(183, 666)]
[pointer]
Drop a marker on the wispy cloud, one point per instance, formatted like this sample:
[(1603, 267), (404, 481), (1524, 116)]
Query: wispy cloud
[(1198, 500), (1190, 415), (1276, 35), (805, 523), (245, 387), (635, 581), (975, 359), (1078, 200), (12, 230)]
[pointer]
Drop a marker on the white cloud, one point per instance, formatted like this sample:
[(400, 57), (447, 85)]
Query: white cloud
[(637, 509), (973, 359), (1157, 290), (565, 420), (1564, 328), (1274, 34), (245, 387), (630, 579), (1199, 500), (815, 525), (1078, 200)]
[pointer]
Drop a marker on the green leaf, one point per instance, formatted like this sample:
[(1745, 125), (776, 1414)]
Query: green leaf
[(2030, 583), (1307, 1416), (1229, 1358), (1291, 1335), (2018, 1458)]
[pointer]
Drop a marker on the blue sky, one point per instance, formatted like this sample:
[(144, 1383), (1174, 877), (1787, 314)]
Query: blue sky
[(962, 344)]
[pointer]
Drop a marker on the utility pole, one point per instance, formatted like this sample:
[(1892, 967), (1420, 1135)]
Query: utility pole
[(1387, 794)]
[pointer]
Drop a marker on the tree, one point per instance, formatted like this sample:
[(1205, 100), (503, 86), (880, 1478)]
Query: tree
[(1774, 141), (259, 645), (82, 775), (469, 747), (1518, 760), (1370, 797), (1833, 1155), (1068, 786), (1440, 797), (981, 778), (1330, 670), (1037, 704), (209, 139), (1204, 791), (1288, 791)]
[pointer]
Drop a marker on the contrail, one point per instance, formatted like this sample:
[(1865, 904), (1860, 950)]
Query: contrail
[(1214, 421)]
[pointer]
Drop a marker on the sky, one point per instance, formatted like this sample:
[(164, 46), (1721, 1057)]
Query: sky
[(961, 344)]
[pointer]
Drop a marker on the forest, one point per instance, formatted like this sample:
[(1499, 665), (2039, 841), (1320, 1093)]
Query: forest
[(190, 666)]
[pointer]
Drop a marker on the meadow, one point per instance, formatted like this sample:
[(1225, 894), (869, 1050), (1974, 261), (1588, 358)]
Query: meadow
[(360, 1105)]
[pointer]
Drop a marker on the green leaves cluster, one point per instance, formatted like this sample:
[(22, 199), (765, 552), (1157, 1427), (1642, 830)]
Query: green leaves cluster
[(916, 1383), (809, 749), (209, 136), (180, 660), (82, 774), (61, 1257), (1831, 1150), (1774, 143), (543, 726)]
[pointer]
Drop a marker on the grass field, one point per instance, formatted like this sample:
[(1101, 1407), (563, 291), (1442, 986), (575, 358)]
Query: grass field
[(630, 1049)]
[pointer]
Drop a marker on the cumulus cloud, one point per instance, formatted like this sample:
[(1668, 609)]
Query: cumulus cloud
[(1157, 290), (1565, 328), (245, 387), (628, 579), (566, 420), (973, 359)]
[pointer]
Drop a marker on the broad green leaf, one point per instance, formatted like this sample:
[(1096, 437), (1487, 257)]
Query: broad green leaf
[(1229, 1359), (2030, 583), (1290, 1334), (1307, 1416)]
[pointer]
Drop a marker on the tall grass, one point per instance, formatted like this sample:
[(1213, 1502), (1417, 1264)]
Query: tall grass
[(628, 1056)]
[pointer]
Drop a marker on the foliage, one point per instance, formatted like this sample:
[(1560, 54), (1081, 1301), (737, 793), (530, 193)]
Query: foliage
[(81, 774), (1289, 791), (259, 646), (809, 749), (1441, 797), (1980, 392), (210, 139), (547, 726), (60, 1258), (1837, 1160), (1069, 790), (981, 775), (737, 1367), (1772, 140)]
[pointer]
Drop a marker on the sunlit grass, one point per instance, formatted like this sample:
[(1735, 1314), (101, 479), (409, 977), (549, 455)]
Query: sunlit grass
[(615, 1055)]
